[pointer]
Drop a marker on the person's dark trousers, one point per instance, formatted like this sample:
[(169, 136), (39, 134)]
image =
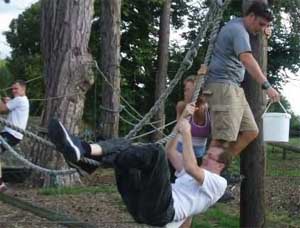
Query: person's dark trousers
[(143, 180), (10, 139)]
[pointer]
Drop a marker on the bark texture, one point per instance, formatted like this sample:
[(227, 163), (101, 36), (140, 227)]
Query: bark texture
[(110, 63), (66, 27), (163, 59), (252, 202)]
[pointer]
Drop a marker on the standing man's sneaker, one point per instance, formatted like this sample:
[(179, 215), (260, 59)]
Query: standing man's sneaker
[(70, 146), (227, 197)]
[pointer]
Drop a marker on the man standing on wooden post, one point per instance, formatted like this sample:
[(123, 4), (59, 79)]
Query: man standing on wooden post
[(18, 113), (233, 124)]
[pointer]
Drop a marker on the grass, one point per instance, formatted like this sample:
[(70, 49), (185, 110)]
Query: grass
[(294, 141), (276, 165), (219, 216), (227, 215), (275, 220), (288, 167)]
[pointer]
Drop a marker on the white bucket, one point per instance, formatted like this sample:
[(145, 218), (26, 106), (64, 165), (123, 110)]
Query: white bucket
[(276, 126)]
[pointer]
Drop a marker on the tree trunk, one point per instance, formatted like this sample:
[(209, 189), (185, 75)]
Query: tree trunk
[(110, 63), (252, 202), (163, 59), (66, 27)]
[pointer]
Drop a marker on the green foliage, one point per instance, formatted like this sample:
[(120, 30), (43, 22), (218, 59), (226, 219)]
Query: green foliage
[(285, 42), (284, 45), (139, 44), (295, 123), (5, 77)]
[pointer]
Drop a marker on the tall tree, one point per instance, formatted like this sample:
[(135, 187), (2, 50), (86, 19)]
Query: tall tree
[(163, 59), (65, 32), (110, 63), (252, 203)]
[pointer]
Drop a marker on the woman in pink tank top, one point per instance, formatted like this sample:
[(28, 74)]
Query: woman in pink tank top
[(200, 121)]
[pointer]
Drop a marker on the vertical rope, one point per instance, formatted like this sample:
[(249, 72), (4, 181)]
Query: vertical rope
[(185, 65), (200, 79)]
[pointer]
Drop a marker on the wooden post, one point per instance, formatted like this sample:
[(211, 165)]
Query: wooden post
[(110, 63), (252, 205), (162, 69), (283, 154)]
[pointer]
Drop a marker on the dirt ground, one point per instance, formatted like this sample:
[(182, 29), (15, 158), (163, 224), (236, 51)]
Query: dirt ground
[(106, 209), (100, 209)]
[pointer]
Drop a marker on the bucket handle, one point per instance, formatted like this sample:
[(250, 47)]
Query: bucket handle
[(268, 106)]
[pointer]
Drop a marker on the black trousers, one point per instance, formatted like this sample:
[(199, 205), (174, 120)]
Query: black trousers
[(143, 180), (10, 139)]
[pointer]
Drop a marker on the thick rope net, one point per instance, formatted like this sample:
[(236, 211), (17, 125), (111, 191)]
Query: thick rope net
[(213, 18), (22, 158)]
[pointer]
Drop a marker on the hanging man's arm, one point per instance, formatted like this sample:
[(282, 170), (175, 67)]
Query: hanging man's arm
[(172, 154)]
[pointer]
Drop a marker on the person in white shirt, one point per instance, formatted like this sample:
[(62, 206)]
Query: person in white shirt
[(143, 177), (18, 113)]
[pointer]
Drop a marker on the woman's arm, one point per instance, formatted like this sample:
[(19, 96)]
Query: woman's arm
[(179, 109)]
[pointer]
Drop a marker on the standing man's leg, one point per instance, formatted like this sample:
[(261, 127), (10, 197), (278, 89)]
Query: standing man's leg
[(247, 133), (233, 124)]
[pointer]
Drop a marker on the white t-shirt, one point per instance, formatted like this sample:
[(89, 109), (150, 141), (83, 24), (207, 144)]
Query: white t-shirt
[(191, 198), (18, 114)]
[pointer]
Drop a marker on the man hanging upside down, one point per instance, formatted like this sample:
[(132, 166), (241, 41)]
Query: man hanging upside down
[(142, 174)]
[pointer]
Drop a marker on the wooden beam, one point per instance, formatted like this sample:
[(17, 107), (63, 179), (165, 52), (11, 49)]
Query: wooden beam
[(44, 213), (287, 147)]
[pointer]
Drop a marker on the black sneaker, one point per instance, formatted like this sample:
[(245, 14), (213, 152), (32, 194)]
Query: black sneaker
[(227, 197), (83, 169), (233, 178), (70, 146)]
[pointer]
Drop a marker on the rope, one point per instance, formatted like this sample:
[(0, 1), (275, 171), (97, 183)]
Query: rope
[(150, 132), (53, 98), (200, 80), (131, 115), (127, 121), (41, 140), (185, 65), (110, 110), (30, 164), (214, 15), (212, 39), (30, 80), (118, 91), (27, 133)]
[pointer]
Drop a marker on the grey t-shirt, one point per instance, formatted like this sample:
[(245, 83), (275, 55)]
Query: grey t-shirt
[(225, 66)]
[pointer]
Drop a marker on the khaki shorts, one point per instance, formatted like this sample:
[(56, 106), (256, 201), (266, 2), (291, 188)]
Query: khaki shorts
[(230, 111)]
